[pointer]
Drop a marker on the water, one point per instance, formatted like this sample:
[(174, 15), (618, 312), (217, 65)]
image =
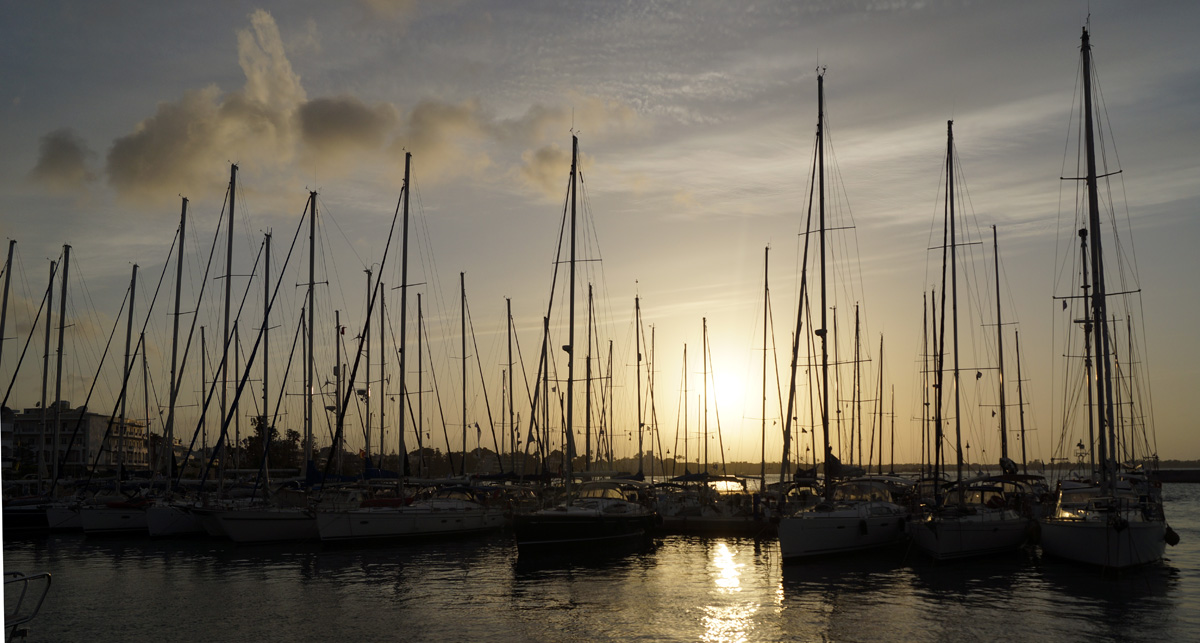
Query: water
[(683, 589)]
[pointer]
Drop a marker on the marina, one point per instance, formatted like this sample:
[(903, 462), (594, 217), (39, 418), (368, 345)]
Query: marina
[(291, 420), (681, 588)]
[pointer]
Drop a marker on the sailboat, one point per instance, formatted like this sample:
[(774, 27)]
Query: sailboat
[(853, 514), (126, 514), (442, 512), (975, 518), (1114, 518), (602, 511)]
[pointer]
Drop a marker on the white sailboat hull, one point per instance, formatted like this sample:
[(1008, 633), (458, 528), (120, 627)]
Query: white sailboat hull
[(979, 534), (268, 525), (171, 520), (425, 519), (1108, 543), (63, 518), (820, 533), (112, 520)]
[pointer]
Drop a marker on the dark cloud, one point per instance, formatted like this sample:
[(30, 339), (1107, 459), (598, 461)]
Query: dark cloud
[(343, 125), (63, 162)]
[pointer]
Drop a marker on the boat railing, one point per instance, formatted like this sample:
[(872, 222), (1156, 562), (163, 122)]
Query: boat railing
[(16, 611)]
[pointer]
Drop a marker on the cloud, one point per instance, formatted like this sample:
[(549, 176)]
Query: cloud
[(271, 123), (334, 128), (63, 162), (182, 147)]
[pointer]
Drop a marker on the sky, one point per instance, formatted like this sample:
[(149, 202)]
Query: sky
[(696, 123)]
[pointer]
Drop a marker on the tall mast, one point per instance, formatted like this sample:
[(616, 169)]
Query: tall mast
[(1021, 403), (880, 403), (637, 347), (685, 409), (265, 424), (856, 418), (383, 372), (462, 283), (1099, 292), (420, 387), (335, 448), (46, 378), (203, 387), (310, 382), (762, 473), (954, 295), (512, 425), (367, 388), (226, 334), (823, 331), (587, 391), (62, 327), (128, 365), (12, 244), (704, 376), (169, 431), (404, 318), (1000, 351), (569, 419)]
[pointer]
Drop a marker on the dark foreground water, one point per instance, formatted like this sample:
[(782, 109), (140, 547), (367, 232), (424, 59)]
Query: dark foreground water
[(683, 589)]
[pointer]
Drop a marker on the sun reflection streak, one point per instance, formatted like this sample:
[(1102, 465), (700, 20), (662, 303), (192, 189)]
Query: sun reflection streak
[(725, 620)]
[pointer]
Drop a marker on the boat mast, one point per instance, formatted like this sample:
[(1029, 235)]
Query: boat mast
[(169, 431), (12, 244), (704, 377), (823, 331), (462, 284), (46, 378), (1099, 293), (265, 424), (762, 460), (367, 388), (226, 333), (570, 348), (587, 389), (637, 347), (335, 455), (128, 365), (310, 375), (403, 464), (1021, 402), (420, 392), (1000, 351), (880, 402), (383, 369), (954, 296), (685, 409), (512, 425), (856, 418), (62, 327)]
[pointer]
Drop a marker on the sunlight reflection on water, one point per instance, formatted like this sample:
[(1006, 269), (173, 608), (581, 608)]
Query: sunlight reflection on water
[(684, 589)]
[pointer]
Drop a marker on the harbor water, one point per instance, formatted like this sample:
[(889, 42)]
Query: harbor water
[(680, 589)]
